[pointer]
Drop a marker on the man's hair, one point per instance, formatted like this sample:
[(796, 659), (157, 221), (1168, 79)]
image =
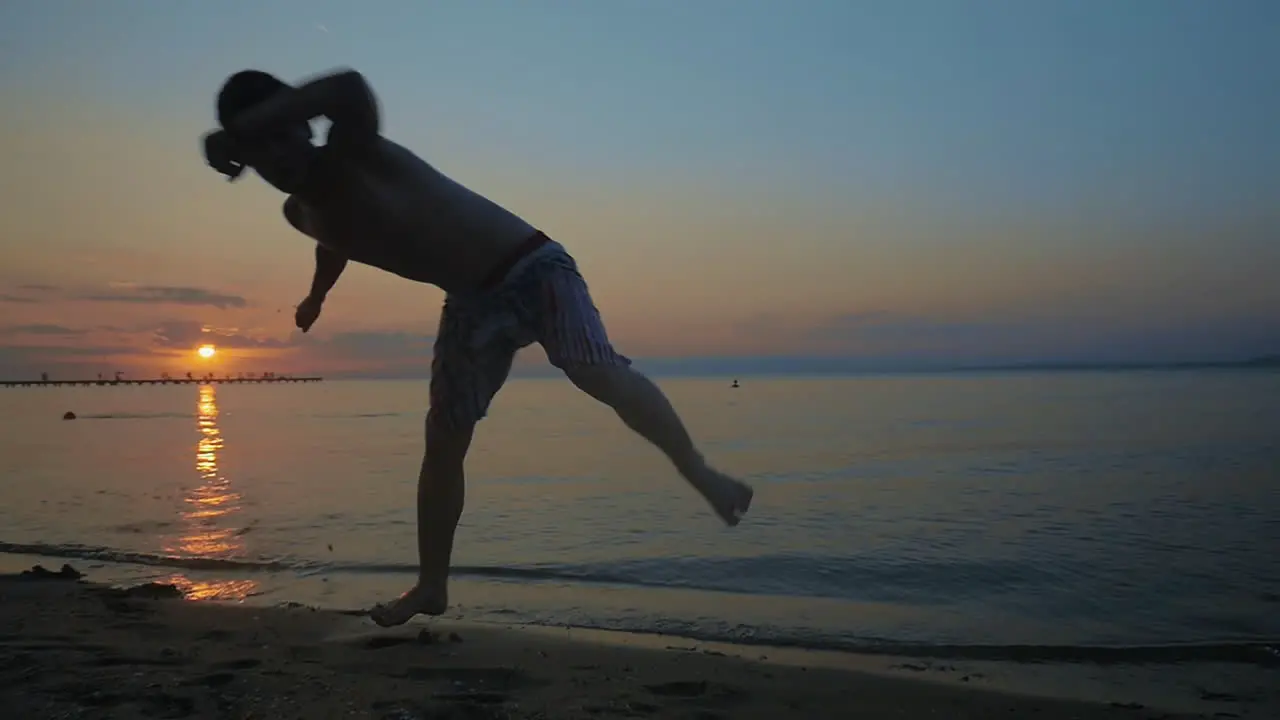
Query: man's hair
[(244, 90)]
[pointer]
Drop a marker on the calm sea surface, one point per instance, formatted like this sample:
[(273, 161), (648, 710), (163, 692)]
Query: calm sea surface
[(979, 510)]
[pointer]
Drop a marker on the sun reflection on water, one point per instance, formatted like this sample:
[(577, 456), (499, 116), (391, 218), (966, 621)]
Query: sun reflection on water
[(208, 511)]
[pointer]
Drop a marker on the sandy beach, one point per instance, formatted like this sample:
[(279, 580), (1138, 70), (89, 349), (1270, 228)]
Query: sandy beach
[(70, 648)]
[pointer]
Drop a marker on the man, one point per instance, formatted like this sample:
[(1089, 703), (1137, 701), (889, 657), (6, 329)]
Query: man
[(365, 198)]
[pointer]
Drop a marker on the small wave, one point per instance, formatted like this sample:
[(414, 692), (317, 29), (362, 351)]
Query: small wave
[(498, 572), (185, 562), (356, 416), (1258, 653), (585, 574), (790, 575), (137, 416), (130, 557), (145, 526), (866, 578), (782, 575), (112, 555)]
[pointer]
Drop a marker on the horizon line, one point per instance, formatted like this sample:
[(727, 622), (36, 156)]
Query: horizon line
[(766, 366), (848, 367)]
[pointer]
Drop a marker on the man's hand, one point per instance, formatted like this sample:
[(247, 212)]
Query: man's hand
[(222, 155), (308, 311)]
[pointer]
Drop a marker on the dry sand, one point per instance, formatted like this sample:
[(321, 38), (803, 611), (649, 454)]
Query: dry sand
[(72, 649)]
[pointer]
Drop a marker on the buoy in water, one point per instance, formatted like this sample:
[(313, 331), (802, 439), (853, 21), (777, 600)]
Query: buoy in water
[(68, 415)]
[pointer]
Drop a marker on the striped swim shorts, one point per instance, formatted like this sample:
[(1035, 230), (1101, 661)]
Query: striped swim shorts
[(541, 298)]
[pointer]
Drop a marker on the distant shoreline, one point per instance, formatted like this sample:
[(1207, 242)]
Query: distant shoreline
[(833, 369), (1266, 362), (803, 367)]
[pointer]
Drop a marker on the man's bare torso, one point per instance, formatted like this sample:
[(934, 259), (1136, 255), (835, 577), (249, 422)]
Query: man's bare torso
[(388, 208)]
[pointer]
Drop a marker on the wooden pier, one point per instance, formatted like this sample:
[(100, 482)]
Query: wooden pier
[(113, 382)]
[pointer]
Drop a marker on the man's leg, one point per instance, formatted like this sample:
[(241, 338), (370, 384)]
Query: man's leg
[(645, 409), (462, 386), (441, 491), (572, 333)]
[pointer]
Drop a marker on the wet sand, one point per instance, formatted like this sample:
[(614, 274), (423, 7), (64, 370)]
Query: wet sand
[(73, 649)]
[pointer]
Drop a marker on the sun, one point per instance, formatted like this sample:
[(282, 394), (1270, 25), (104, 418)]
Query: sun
[(206, 351)]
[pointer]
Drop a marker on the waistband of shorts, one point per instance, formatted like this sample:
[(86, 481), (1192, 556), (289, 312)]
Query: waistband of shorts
[(515, 259)]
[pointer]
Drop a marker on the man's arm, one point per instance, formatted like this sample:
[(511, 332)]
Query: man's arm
[(329, 263), (343, 96), (329, 267)]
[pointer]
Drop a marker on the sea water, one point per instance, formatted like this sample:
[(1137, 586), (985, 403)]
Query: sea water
[(980, 512)]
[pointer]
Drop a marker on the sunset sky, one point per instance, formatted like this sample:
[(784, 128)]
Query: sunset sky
[(894, 182)]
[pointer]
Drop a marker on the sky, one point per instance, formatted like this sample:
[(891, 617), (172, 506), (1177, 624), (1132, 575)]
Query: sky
[(745, 183)]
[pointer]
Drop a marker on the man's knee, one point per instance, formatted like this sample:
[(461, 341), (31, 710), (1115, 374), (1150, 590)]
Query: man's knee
[(601, 382), (447, 439)]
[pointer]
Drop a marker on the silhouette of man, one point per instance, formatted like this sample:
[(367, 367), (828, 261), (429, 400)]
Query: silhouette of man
[(364, 198)]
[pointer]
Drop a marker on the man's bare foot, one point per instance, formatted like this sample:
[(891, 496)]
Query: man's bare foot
[(424, 599), (729, 498)]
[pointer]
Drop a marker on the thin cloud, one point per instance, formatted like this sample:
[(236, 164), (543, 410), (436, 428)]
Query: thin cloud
[(886, 327), (375, 344), (62, 362), (28, 293), (181, 334), (168, 295), (368, 353), (884, 333), (13, 354), (40, 329), (1042, 339)]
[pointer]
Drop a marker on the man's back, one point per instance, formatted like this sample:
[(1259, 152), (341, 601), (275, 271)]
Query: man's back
[(389, 208)]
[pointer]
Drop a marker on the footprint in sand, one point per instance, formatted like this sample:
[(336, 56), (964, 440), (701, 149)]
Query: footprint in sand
[(212, 680), (241, 664), (386, 641), (700, 689)]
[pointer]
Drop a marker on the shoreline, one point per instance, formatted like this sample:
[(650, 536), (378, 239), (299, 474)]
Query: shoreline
[(1255, 651), (74, 648)]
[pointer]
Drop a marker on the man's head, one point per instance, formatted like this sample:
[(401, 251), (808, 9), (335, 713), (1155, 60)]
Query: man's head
[(282, 159)]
